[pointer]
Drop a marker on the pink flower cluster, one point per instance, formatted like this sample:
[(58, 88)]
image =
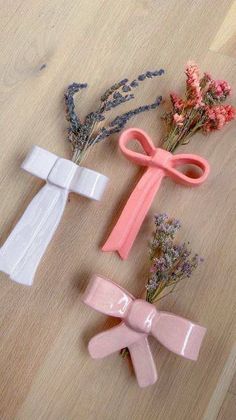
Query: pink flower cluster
[(220, 88), (201, 109), (204, 96), (177, 102), (217, 117), (178, 119), (194, 93)]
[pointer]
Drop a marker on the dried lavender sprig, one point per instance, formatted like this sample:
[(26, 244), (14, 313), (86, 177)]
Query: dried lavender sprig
[(122, 119), (125, 86), (128, 86), (148, 75), (112, 89), (119, 122), (71, 115), (170, 262), (84, 135), (117, 100)]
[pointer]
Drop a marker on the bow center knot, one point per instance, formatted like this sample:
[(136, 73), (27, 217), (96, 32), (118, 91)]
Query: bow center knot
[(160, 158), (62, 173), (140, 316)]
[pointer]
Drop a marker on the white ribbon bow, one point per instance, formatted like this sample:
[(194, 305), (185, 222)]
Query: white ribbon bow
[(21, 253)]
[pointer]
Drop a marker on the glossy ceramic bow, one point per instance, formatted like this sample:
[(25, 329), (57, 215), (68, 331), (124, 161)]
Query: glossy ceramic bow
[(140, 319), (160, 163), (25, 246)]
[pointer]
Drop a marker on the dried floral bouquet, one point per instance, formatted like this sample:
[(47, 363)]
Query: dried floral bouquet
[(95, 128), (201, 109), (170, 262)]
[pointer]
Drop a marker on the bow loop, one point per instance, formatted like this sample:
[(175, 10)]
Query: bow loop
[(141, 137), (187, 159), (39, 162), (50, 167), (178, 334), (107, 297)]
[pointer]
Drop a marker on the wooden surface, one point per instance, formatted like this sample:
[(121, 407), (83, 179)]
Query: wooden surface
[(45, 369)]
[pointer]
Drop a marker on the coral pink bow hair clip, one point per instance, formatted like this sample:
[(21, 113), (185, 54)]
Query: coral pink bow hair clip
[(139, 319), (160, 163)]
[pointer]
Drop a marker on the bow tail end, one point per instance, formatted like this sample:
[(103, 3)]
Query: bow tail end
[(4, 266), (143, 363), (115, 244), (109, 246), (22, 251), (193, 343)]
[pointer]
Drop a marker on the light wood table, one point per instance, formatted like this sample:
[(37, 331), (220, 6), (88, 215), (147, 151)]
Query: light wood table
[(45, 368)]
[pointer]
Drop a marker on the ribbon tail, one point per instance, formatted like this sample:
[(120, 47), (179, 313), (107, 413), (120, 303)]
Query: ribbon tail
[(20, 255), (112, 340), (126, 229), (143, 363)]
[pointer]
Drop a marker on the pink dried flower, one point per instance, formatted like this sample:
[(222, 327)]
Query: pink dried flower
[(177, 102), (193, 85), (230, 113), (220, 88), (192, 70), (178, 119), (217, 117)]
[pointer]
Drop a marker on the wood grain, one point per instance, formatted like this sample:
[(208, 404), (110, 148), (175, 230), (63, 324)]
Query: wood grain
[(45, 369)]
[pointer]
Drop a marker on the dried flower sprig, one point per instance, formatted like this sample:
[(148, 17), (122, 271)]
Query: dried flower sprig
[(170, 262), (201, 109), (82, 135)]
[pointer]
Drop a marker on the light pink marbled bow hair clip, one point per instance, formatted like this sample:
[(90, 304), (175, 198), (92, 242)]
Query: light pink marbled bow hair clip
[(139, 319)]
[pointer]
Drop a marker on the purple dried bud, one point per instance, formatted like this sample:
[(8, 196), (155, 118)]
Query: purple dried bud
[(117, 95), (160, 218), (134, 84), (186, 269), (176, 224), (160, 264), (126, 88), (142, 77), (197, 259)]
